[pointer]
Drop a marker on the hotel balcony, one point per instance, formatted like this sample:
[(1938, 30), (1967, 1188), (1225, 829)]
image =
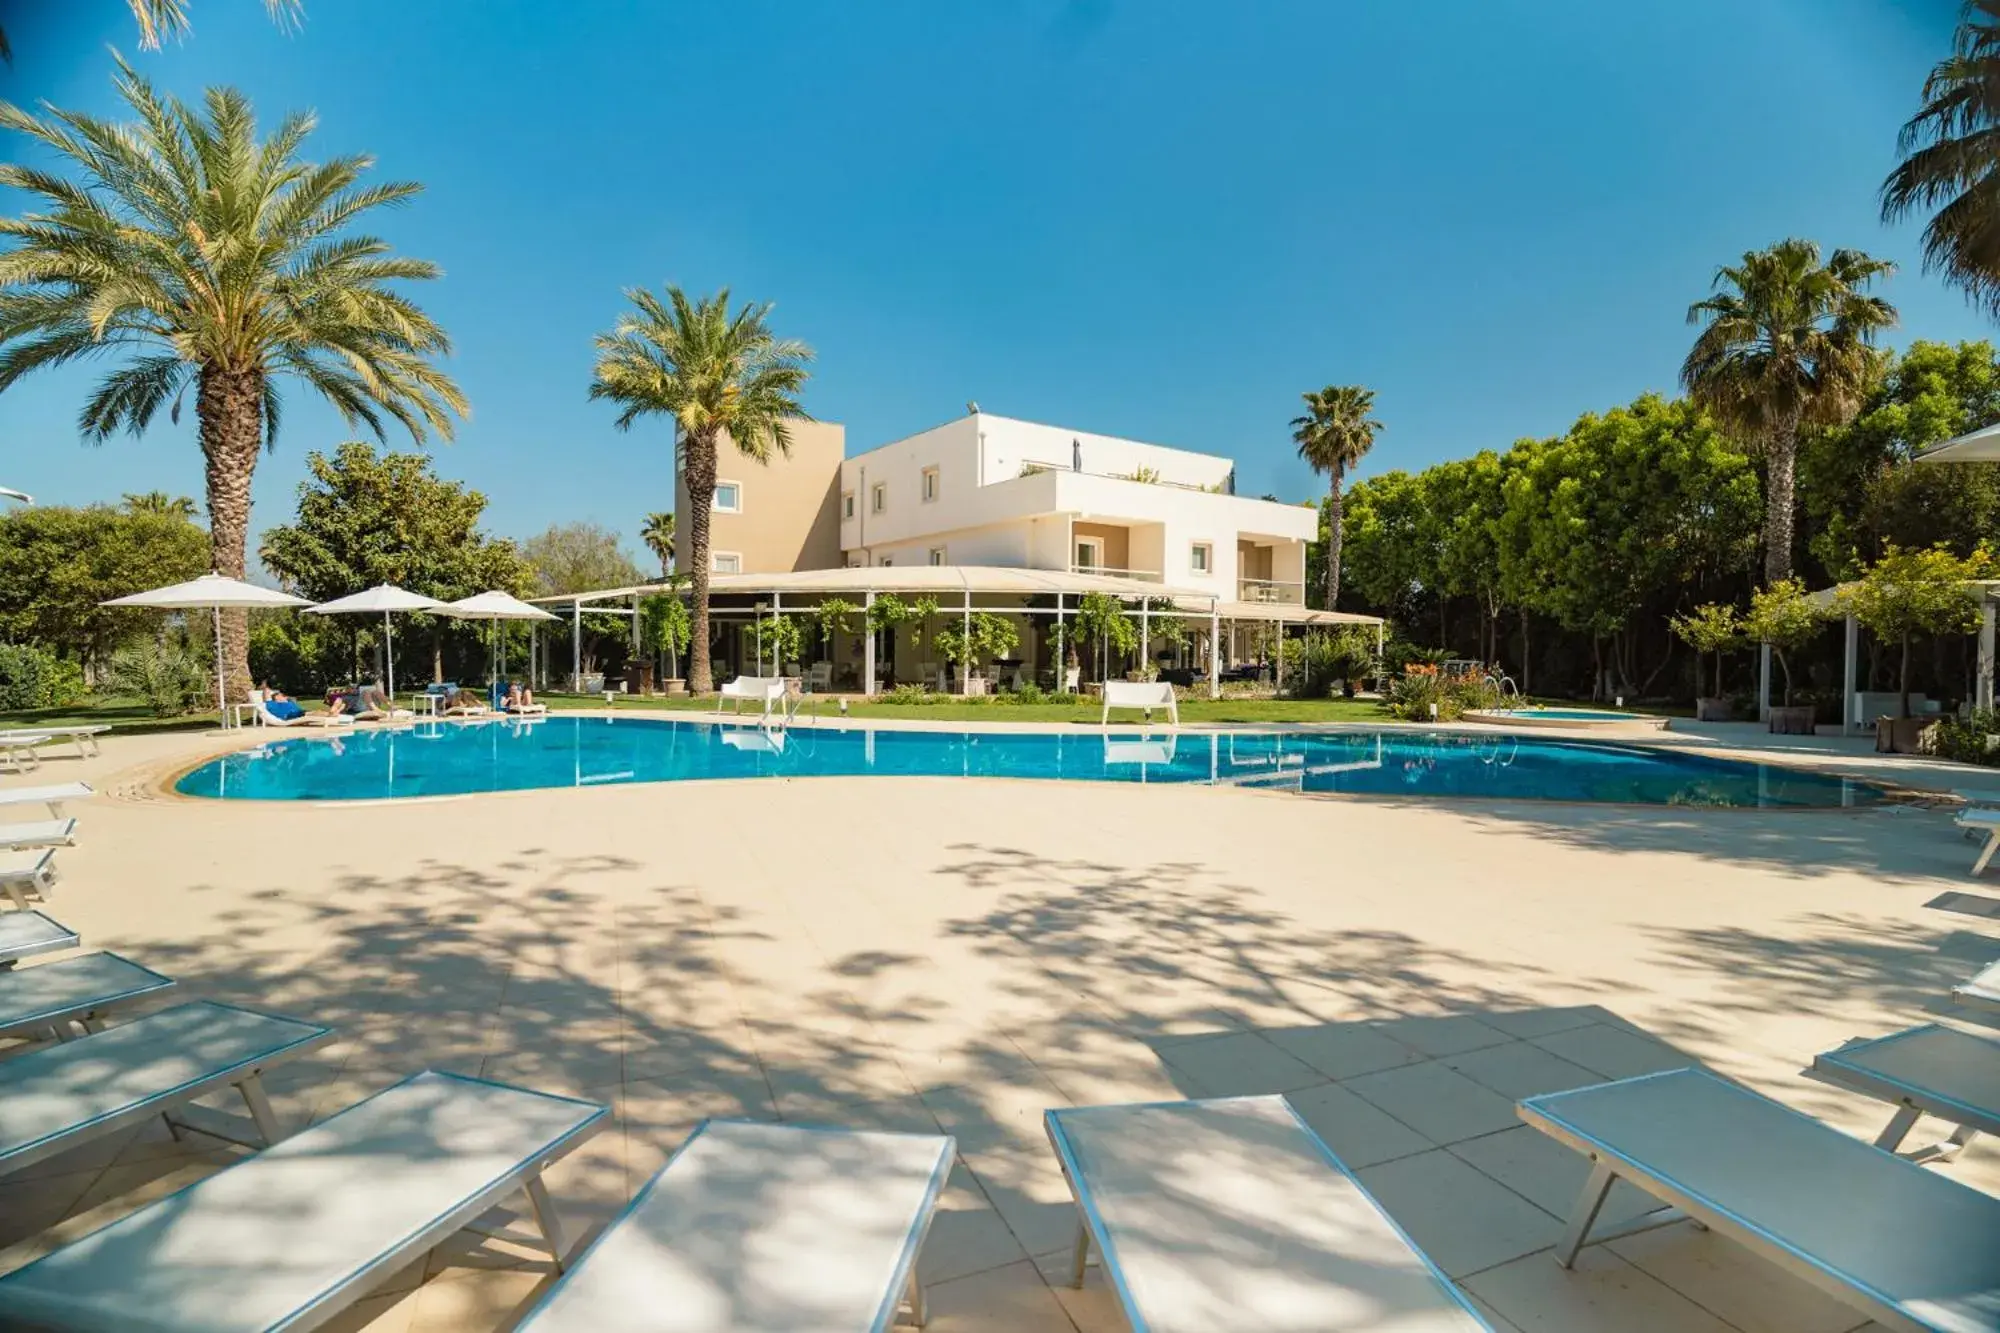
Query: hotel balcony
[(1271, 590)]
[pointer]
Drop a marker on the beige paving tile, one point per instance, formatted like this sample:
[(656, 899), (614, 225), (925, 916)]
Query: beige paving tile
[(1013, 1299), (464, 1300), (1448, 1035), (389, 1312), (1237, 1064), (1343, 1050), (1499, 1322), (1005, 1116), (1359, 1133), (1442, 1105), (28, 1207), (1751, 1293), (1541, 1022), (1520, 1069), (1029, 1193), (1462, 1219), (968, 1235), (1549, 1175), (1614, 1052), (1601, 1293)]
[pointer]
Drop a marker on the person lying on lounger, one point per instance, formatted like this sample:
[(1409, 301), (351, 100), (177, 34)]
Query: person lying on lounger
[(518, 696)]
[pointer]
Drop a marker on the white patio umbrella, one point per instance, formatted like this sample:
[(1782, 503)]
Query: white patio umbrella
[(1981, 446), (8, 494), (495, 607), (384, 598), (211, 592)]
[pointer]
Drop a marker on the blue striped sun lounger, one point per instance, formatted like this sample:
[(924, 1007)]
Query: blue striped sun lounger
[(73, 993), (1232, 1214), (1908, 1247), (1981, 991), (1929, 1070), (291, 1237), (25, 934), (760, 1228)]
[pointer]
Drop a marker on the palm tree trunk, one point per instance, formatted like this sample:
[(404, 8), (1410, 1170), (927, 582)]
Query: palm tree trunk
[(1781, 467), (230, 408), (1335, 520), (700, 455)]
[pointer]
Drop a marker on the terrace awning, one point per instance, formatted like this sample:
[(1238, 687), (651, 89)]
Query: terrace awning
[(999, 580)]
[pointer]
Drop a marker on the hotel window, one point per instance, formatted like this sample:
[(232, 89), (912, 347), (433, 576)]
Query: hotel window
[(847, 504), (728, 497), (937, 555), (725, 562), (1201, 558), (878, 499), (930, 484), (886, 562)]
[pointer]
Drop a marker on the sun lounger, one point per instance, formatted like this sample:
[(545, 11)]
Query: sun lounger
[(1927, 1070), (1231, 1214), (757, 1228), (73, 992), (1908, 1247), (25, 934), (17, 748), (83, 737), (527, 710), (1984, 821), (40, 833), (1147, 695), (289, 1238), (25, 872), (765, 691), (266, 718), (54, 796), (60, 1096), (1981, 991)]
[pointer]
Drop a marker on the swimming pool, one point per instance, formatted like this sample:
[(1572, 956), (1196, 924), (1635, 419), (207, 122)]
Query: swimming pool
[(1587, 719), (450, 758)]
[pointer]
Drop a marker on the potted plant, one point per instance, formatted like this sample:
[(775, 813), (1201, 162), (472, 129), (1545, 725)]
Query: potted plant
[(667, 627), (1709, 629), (1786, 619), (967, 642), (1907, 593), (780, 639)]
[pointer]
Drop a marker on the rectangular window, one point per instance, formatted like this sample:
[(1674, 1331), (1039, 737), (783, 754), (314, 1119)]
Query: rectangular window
[(1089, 554), (937, 555), (878, 499), (847, 504), (725, 562), (886, 562), (1201, 558), (728, 497), (930, 484)]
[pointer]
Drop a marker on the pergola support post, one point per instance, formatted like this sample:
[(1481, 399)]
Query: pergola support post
[(1850, 708), (1763, 682), (867, 646), (1982, 693), (1214, 663), (965, 646), (1145, 634), (576, 645)]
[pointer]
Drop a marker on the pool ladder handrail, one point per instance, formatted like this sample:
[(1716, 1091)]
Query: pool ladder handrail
[(1503, 685)]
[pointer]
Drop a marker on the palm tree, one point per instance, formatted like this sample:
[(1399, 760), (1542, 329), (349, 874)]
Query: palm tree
[(1332, 436), (161, 504), (168, 18), (1787, 344), (1951, 160), (658, 534), (716, 374), (209, 261)]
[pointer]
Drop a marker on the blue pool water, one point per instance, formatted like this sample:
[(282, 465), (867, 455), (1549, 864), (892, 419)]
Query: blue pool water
[(450, 758)]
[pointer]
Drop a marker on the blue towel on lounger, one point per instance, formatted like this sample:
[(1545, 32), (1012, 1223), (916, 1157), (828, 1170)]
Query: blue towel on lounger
[(285, 709)]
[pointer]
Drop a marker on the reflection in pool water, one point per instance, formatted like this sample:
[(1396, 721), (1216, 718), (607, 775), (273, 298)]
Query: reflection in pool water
[(451, 758)]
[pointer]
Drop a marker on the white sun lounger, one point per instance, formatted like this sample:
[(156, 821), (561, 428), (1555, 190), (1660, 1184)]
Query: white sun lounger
[(40, 833), (1981, 991), (73, 991), (1147, 695), (54, 796), (83, 737), (527, 710), (1231, 1214), (1928, 1070), (17, 748), (266, 718), (25, 934), (1984, 821), (25, 872), (1910, 1248), (289, 1238), (63, 1095), (759, 1228)]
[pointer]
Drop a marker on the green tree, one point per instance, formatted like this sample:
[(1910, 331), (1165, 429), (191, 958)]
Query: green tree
[(1391, 542), (658, 535), (1101, 621), (1950, 164), (1713, 628), (159, 502), (579, 557), (57, 564), (1785, 343), (1907, 593), (1333, 435), (208, 260), (1783, 616), (719, 376)]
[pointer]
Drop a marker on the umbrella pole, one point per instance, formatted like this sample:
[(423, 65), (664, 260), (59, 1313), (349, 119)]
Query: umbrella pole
[(389, 656), (221, 690)]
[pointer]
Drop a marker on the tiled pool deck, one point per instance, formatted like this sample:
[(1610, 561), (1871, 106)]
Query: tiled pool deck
[(959, 955)]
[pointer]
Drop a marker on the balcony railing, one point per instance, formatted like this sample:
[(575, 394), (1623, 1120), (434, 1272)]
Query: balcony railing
[(1268, 590), (1142, 575)]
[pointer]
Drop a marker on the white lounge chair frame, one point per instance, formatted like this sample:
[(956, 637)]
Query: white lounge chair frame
[(38, 833), (54, 797), (266, 718), (1984, 821), (1611, 1163), (1419, 1289), (136, 1270), (1956, 1066), (74, 993), (18, 749), (1143, 694), (83, 737), (32, 870), (1981, 991), (25, 934)]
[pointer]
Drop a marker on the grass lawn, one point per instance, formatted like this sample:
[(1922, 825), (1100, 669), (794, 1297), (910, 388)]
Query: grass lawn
[(124, 713), (1192, 710)]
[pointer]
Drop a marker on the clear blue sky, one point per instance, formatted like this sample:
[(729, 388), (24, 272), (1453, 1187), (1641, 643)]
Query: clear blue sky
[(1151, 219)]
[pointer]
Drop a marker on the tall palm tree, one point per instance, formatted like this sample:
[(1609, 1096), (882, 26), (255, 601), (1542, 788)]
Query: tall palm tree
[(212, 262), (1786, 344), (1951, 160), (1333, 435), (658, 534), (162, 505), (716, 374), (168, 18)]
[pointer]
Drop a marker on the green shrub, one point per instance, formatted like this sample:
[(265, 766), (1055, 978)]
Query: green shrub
[(172, 678), (299, 654), (1029, 693), (1413, 693), (32, 677), (1966, 739)]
